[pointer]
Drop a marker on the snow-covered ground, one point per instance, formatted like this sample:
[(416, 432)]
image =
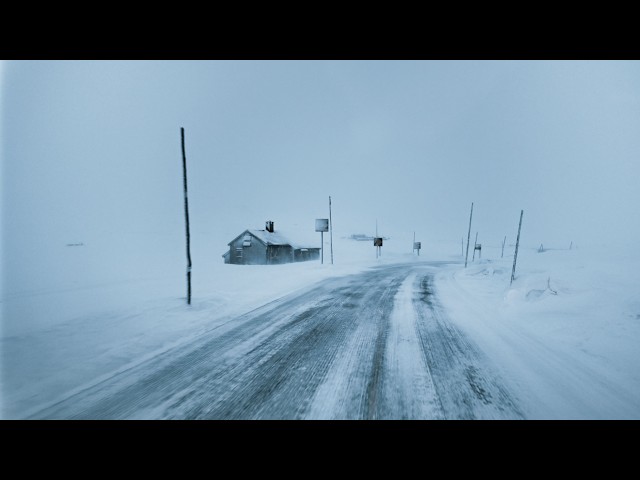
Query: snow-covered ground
[(564, 335), (72, 328)]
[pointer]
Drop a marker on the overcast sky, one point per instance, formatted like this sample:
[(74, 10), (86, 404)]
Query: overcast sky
[(91, 149)]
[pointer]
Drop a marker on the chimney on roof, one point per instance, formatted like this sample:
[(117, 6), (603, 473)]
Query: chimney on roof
[(269, 226)]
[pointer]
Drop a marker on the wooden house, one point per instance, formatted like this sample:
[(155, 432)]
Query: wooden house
[(267, 247)]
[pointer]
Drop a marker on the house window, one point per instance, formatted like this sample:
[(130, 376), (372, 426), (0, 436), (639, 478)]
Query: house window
[(246, 241), (238, 252)]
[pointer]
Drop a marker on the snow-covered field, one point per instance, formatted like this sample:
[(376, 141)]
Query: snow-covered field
[(564, 335), (73, 328)]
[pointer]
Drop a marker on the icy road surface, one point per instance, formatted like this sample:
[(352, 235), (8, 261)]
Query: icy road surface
[(375, 345)]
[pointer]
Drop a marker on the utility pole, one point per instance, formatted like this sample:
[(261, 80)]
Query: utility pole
[(186, 216), (515, 257), (503, 242), (414, 243), (330, 230), (468, 237)]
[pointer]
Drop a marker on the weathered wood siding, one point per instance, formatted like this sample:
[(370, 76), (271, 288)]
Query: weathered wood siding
[(309, 254), (277, 254), (256, 254)]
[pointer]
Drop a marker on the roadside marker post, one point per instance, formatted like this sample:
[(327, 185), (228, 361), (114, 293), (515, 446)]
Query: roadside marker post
[(322, 225)]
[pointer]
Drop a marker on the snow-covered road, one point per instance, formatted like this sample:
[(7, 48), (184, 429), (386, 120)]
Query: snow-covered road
[(376, 345)]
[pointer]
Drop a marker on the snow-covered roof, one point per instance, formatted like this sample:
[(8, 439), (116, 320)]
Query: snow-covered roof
[(272, 238)]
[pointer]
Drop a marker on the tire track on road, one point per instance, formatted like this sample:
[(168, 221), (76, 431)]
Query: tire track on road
[(465, 382), (266, 364), (365, 346)]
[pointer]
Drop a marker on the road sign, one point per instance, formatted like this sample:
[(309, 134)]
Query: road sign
[(417, 245), (377, 242), (322, 224)]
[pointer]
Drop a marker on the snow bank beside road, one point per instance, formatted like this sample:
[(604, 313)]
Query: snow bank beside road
[(565, 334)]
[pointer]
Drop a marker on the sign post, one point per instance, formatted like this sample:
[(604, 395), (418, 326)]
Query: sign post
[(417, 246), (322, 225), (377, 242), (475, 247)]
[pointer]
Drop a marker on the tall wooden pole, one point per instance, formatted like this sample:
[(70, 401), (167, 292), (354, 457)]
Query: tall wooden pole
[(503, 242), (330, 230), (468, 237), (515, 257), (186, 216)]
